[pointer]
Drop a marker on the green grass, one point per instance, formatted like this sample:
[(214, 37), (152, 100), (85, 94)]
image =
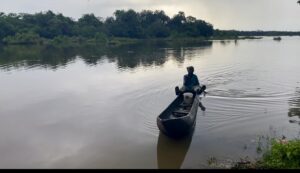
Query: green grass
[(33, 39), (282, 154)]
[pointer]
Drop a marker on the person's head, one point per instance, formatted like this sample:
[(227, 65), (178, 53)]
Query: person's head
[(190, 69)]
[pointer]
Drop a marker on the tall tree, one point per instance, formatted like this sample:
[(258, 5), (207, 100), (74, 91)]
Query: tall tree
[(176, 23), (126, 24), (130, 24), (89, 25)]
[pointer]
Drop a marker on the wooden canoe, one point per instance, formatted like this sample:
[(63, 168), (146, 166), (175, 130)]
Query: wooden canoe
[(178, 119)]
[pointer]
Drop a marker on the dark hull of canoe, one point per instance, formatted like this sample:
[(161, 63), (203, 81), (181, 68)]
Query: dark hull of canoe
[(177, 126)]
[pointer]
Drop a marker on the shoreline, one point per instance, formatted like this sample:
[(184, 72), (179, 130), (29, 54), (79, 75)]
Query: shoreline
[(116, 41)]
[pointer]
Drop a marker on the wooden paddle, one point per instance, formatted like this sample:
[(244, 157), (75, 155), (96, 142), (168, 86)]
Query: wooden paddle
[(202, 90)]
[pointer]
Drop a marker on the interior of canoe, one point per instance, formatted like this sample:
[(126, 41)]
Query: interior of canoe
[(178, 108), (182, 110)]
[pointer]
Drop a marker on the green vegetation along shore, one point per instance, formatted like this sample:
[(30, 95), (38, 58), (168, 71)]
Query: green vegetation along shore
[(124, 27), (127, 26), (282, 154)]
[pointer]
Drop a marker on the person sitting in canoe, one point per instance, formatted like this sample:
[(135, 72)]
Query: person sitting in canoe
[(190, 83)]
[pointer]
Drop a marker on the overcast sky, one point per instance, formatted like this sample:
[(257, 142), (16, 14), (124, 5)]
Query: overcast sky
[(223, 14)]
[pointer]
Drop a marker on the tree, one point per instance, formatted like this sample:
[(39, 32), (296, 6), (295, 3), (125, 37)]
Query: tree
[(157, 30), (130, 24), (191, 19), (155, 23), (177, 21), (89, 25), (6, 29), (126, 24), (48, 24)]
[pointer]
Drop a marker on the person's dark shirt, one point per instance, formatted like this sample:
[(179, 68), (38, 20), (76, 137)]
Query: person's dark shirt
[(190, 81)]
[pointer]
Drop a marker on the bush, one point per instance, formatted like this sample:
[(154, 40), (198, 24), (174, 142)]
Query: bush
[(23, 38), (283, 154), (101, 38)]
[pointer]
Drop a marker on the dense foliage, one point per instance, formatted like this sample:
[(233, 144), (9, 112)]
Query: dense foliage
[(129, 24), (282, 155)]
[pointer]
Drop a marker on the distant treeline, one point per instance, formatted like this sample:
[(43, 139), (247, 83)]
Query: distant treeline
[(128, 24), (226, 33), (48, 27)]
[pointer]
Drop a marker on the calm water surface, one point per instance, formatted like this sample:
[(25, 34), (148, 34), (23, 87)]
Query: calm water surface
[(94, 108)]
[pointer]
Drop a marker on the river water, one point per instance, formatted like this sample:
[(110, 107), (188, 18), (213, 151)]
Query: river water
[(92, 107)]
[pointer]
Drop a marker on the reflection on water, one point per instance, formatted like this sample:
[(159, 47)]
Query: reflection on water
[(127, 56), (171, 152), (226, 42), (294, 107), (14, 57), (90, 106)]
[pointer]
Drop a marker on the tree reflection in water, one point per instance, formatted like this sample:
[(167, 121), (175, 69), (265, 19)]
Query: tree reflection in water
[(126, 56)]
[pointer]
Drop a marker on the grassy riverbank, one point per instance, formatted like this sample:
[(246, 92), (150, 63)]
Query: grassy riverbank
[(282, 154), (33, 39)]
